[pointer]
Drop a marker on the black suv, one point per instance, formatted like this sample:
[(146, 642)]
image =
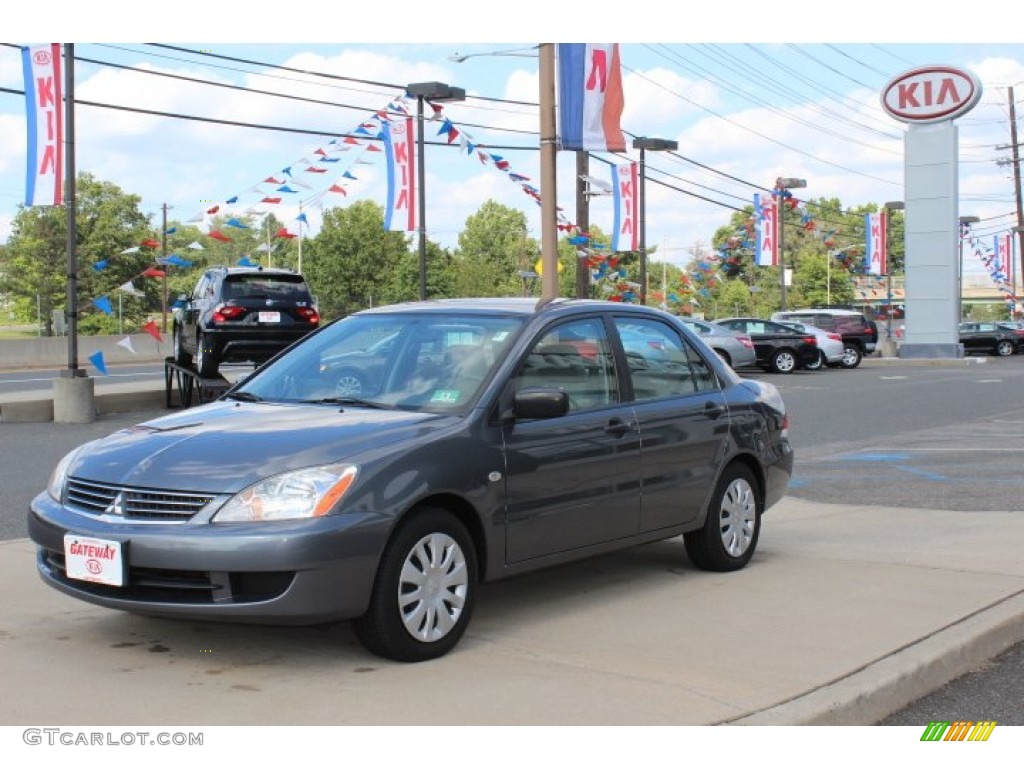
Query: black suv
[(860, 335), (241, 314)]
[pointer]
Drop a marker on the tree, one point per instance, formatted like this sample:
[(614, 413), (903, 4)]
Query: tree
[(349, 263), (493, 248), (33, 266)]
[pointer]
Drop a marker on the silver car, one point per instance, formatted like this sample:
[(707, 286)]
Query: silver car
[(830, 345), (735, 348)]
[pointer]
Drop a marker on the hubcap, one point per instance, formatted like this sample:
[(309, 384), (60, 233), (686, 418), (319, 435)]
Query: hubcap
[(850, 356), (785, 362), (737, 517), (432, 587)]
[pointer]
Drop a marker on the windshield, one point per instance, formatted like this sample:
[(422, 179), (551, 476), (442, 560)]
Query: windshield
[(429, 361)]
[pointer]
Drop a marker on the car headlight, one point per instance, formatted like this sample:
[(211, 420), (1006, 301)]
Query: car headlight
[(293, 495), (55, 486)]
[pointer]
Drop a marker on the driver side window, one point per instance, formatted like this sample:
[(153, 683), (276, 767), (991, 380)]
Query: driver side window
[(576, 358)]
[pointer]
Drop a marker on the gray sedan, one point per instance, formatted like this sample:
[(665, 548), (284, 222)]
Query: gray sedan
[(736, 348), (488, 438)]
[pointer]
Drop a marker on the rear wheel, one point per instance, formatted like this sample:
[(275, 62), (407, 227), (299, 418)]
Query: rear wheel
[(424, 592), (1004, 348), (729, 536), (851, 356), (818, 363), (206, 357), (784, 361)]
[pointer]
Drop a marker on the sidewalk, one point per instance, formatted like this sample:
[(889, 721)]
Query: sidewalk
[(845, 614)]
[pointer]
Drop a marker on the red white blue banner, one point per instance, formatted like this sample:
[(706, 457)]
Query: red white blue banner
[(766, 253), (1003, 257), (590, 97), (45, 168), (399, 145), (625, 189), (876, 255)]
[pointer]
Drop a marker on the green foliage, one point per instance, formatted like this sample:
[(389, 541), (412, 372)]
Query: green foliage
[(353, 262), (493, 248)]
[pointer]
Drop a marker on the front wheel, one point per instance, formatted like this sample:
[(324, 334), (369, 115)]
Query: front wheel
[(728, 538), (424, 592), (181, 355)]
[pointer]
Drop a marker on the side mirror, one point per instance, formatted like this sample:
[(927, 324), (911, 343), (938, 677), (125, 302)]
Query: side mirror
[(540, 403)]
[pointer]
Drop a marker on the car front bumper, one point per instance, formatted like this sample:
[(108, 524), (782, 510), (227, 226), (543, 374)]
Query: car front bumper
[(287, 572)]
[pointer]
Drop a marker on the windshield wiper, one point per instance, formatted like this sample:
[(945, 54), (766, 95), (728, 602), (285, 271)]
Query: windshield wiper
[(245, 397), (349, 401)]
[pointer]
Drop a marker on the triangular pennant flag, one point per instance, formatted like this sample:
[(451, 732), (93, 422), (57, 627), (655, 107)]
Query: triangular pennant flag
[(153, 330), (150, 243), (232, 200), (218, 235), (154, 272), (126, 342), (99, 266), (236, 223), (246, 262), (170, 231), (133, 249), (130, 288), (213, 210), (102, 303), (273, 200), (97, 360), (282, 232)]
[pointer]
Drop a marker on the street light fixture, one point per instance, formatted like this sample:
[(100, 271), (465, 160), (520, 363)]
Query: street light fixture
[(968, 220), (431, 91), (644, 144), (892, 205), (458, 58), (783, 183)]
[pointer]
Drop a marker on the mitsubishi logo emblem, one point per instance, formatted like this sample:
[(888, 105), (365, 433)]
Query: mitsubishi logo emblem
[(116, 507)]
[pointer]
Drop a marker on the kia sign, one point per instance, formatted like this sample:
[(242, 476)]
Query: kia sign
[(931, 94)]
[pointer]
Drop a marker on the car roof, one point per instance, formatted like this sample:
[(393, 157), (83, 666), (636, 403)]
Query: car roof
[(513, 305)]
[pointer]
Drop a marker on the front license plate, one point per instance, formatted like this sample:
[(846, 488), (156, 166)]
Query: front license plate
[(270, 317), (97, 560)]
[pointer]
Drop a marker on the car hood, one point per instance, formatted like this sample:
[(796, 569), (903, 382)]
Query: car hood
[(225, 447)]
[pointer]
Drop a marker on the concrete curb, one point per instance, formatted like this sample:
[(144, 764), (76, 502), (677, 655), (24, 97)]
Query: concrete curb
[(870, 694), (41, 410)]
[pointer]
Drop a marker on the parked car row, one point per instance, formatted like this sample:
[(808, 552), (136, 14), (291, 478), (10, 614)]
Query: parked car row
[(992, 338)]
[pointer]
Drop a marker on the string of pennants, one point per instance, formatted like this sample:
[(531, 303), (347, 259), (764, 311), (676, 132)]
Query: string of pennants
[(996, 259)]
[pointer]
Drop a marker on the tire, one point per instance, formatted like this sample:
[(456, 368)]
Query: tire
[(729, 536), (784, 361), (350, 384), (818, 364), (1005, 348), (206, 357), (725, 357), (851, 356), (403, 623), (181, 355)]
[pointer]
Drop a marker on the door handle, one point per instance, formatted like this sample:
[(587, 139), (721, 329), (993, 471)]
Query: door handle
[(618, 427), (713, 410)]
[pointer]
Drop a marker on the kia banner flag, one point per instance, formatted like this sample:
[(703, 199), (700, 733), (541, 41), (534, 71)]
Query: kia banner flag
[(625, 187), (876, 257), (590, 97), (767, 225), (399, 147), (1003, 260), (45, 168)]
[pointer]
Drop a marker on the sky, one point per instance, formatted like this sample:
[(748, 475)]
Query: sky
[(747, 103)]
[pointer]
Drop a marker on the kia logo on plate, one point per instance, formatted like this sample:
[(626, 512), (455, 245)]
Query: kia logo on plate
[(930, 94)]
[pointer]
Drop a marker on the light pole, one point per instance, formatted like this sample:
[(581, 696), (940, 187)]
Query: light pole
[(892, 205), (431, 91), (644, 144), (964, 221), (782, 184)]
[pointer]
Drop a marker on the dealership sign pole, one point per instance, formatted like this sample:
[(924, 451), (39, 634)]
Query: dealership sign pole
[(929, 99)]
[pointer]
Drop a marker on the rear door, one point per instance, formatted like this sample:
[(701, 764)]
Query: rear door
[(682, 417)]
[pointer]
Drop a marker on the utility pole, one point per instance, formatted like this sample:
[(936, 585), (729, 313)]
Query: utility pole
[(583, 222), (166, 266), (1016, 183)]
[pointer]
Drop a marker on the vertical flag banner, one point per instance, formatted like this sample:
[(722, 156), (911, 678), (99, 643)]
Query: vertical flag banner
[(625, 186), (876, 256), (767, 214), (1003, 259), (399, 145), (590, 96), (45, 169)]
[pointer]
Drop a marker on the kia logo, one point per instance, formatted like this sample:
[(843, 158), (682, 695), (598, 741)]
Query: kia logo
[(930, 94), (94, 566)]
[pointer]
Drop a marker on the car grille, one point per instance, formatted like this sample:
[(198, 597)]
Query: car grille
[(133, 503)]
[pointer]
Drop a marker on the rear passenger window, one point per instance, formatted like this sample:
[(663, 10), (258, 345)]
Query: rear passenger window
[(660, 362)]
